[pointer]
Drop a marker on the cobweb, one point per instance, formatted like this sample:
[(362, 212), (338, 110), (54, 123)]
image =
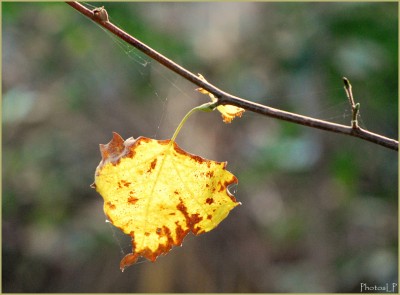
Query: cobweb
[(141, 64), (337, 112)]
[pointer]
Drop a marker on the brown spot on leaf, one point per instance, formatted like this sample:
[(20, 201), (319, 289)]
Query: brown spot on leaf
[(132, 200), (209, 201), (125, 183), (191, 220), (221, 187), (152, 165), (180, 233), (110, 205)]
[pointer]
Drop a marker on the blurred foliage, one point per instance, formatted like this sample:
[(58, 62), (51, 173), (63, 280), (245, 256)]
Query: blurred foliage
[(319, 210)]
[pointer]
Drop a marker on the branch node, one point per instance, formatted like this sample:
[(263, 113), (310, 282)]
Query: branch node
[(100, 14), (354, 120), (355, 107)]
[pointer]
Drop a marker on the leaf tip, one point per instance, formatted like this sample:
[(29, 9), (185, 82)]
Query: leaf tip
[(128, 260)]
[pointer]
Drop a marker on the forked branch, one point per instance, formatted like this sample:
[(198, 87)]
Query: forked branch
[(99, 15)]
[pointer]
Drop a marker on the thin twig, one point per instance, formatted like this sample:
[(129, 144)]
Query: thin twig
[(226, 98), (355, 107)]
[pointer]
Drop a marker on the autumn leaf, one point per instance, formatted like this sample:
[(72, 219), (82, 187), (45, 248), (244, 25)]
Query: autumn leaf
[(157, 193), (228, 112)]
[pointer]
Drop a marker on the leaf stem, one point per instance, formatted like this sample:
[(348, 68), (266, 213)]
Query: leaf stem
[(226, 98), (207, 107)]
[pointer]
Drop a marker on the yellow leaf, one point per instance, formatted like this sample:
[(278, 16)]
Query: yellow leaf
[(228, 112), (157, 193)]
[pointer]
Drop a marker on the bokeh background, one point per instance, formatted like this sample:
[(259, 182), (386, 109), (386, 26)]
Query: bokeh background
[(320, 210)]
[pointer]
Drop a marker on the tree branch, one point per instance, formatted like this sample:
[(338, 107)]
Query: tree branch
[(99, 15)]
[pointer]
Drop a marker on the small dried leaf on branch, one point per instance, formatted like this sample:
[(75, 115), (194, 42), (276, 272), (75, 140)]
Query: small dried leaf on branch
[(228, 112)]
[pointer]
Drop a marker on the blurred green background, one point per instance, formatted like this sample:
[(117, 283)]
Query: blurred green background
[(320, 210)]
